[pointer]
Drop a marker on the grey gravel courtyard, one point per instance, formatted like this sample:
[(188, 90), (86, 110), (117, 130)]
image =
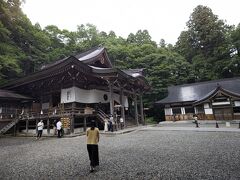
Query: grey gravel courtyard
[(143, 154)]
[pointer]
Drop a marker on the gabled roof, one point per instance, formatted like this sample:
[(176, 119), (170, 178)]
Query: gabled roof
[(88, 57), (85, 63), (10, 95), (198, 91), (216, 91), (93, 55)]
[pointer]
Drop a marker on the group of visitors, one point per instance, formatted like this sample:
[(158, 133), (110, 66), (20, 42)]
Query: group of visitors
[(109, 124), (57, 128)]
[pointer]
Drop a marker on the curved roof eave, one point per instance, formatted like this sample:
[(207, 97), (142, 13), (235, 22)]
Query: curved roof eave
[(214, 92), (93, 56), (45, 73), (172, 102), (99, 70), (10, 95)]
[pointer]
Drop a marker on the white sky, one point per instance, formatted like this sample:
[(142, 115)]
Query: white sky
[(162, 18)]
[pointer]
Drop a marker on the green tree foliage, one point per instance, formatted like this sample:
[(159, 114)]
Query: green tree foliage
[(140, 38), (207, 45)]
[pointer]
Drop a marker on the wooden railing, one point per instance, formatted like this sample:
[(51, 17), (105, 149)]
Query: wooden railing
[(51, 112), (10, 114)]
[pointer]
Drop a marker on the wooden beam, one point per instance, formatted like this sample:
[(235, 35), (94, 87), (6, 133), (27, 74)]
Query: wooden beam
[(111, 101), (141, 110), (48, 127), (27, 125), (136, 109), (72, 123), (122, 107)]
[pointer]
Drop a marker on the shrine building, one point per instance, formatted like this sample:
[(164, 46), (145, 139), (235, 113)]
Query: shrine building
[(211, 100), (75, 90)]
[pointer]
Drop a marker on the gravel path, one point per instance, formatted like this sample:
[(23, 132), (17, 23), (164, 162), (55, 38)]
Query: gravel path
[(144, 154)]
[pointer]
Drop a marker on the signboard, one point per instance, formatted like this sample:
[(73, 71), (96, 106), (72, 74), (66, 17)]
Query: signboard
[(65, 122)]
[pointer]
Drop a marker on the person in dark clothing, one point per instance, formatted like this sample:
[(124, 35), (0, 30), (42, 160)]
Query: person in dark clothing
[(92, 145)]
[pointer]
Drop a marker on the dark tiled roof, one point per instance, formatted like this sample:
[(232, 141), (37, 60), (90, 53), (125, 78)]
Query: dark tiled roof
[(4, 94), (89, 54), (197, 91), (214, 92), (85, 57)]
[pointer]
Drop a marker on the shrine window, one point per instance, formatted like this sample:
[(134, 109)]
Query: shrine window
[(68, 95), (177, 111), (189, 110)]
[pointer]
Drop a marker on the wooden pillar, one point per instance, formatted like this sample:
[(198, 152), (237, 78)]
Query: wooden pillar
[(122, 107), (72, 123), (15, 128), (72, 118), (136, 108), (27, 125), (111, 100), (48, 126), (36, 126), (142, 110), (85, 124)]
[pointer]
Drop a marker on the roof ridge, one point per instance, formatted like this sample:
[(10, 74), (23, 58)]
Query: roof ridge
[(205, 82), (83, 53)]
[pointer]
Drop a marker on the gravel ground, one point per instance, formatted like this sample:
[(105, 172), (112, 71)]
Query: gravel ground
[(143, 154)]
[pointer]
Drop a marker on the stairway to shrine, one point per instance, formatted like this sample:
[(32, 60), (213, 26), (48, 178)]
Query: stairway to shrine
[(7, 126)]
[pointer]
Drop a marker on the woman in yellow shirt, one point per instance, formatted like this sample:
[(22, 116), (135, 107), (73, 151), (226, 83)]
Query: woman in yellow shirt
[(92, 145)]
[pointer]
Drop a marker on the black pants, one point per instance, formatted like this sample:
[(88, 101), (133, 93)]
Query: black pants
[(93, 154), (59, 133), (111, 127), (122, 125), (39, 133)]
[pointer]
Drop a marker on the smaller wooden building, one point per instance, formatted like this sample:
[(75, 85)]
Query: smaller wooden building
[(211, 100)]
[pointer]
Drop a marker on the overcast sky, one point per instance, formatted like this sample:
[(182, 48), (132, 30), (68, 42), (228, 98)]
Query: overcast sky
[(162, 18)]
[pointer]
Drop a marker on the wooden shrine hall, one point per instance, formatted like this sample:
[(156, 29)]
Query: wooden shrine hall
[(209, 100), (74, 90)]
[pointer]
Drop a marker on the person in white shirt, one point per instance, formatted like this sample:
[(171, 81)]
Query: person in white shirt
[(59, 128), (121, 122), (111, 121), (40, 127), (105, 125)]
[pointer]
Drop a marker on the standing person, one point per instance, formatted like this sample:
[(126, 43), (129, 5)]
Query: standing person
[(92, 145), (121, 122), (59, 128), (105, 125), (40, 126), (111, 123), (195, 117)]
